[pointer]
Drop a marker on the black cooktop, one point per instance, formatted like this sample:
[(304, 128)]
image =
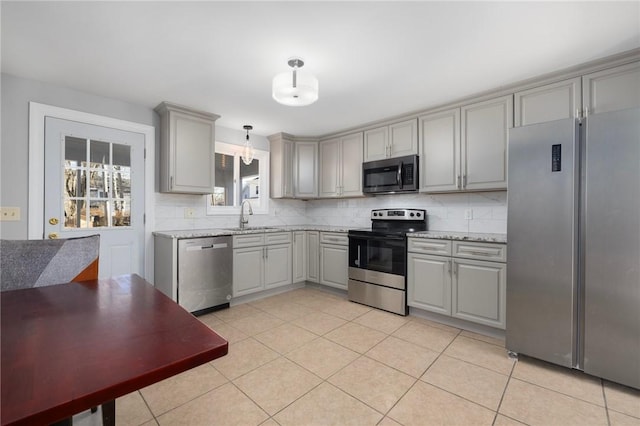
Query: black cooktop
[(393, 223)]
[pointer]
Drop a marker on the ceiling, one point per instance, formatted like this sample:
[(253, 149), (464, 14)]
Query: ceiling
[(373, 59)]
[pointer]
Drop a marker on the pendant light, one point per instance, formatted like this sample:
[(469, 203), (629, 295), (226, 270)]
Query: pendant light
[(247, 153), (296, 87)]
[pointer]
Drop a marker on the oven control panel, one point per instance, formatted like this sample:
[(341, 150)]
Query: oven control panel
[(398, 214)]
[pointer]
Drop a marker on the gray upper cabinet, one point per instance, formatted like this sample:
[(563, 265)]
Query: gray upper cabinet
[(440, 151), (484, 137), (395, 140), (281, 149), (341, 166), (465, 149), (305, 172), (612, 89), (187, 149), (294, 167), (548, 103)]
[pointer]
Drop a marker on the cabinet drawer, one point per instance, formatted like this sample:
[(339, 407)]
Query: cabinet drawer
[(248, 240), (429, 246), (334, 238), (480, 251), (277, 237)]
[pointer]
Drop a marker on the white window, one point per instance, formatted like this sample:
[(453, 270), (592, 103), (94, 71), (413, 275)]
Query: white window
[(236, 181)]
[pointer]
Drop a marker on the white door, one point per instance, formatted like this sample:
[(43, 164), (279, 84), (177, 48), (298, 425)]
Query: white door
[(94, 184)]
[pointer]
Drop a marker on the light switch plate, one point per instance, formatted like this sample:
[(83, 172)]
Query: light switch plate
[(9, 214), (189, 213), (468, 214)]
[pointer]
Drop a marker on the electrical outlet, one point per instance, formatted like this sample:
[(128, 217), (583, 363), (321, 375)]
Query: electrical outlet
[(9, 213), (468, 214), (189, 213)]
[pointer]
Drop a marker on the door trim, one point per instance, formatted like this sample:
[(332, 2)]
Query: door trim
[(37, 114)]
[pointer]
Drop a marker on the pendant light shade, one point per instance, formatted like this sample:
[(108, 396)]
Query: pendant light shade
[(247, 152), (295, 87)]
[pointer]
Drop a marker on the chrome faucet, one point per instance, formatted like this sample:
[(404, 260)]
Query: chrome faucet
[(244, 221)]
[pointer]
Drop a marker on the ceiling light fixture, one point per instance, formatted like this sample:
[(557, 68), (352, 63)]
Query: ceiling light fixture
[(295, 88), (247, 153)]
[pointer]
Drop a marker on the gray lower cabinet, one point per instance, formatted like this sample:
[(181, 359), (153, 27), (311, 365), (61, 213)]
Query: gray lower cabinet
[(334, 259), (261, 261), (299, 256), (453, 278), (313, 256), (429, 279)]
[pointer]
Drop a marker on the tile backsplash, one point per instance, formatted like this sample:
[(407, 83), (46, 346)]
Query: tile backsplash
[(468, 212)]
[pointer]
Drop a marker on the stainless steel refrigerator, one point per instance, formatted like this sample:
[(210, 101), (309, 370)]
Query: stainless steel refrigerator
[(573, 274)]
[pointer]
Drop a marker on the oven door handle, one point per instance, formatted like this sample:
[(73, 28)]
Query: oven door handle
[(379, 238), (357, 261), (399, 178)]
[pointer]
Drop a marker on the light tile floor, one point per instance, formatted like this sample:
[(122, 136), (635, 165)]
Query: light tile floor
[(308, 357)]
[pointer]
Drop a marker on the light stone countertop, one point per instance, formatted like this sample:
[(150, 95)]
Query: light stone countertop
[(461, 236), (216, 232)]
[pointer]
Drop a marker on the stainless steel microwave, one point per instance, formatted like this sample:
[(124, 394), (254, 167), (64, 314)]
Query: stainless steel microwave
[(390, 175)]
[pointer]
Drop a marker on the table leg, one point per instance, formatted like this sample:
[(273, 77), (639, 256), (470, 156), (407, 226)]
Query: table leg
[(109, 413), (65, 422)]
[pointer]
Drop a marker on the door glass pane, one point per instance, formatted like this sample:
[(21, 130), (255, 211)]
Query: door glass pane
[(75, 151), (74, 182), (121, 155), (73, 217), (98, 214), (99, 154), (121, 213), (223, 191), (121, 181), (99, 183)]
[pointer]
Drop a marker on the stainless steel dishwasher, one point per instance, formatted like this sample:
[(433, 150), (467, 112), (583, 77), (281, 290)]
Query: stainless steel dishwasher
[(205, 270)]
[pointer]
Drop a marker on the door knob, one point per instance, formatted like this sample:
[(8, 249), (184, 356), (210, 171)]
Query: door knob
[(53, 236), (53, 221)]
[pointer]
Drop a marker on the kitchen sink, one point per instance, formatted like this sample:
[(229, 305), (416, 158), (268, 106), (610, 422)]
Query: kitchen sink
[(253, 228)]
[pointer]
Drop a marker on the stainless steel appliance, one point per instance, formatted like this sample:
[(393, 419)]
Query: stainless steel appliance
[(378, 259), (573, 274), (205, 272), (391, 175)]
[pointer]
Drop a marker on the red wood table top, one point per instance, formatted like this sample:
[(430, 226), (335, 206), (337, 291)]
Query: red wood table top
[(69, 347)]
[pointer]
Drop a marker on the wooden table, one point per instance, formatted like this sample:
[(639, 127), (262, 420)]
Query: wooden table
[(70, 347)]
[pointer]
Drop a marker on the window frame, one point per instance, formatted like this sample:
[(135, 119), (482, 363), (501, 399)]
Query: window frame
[(263, 172)]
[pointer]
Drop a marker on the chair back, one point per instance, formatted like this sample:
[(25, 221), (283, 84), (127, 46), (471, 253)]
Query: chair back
[(38, 263)]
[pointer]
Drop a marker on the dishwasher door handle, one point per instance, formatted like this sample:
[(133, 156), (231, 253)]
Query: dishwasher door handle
[(212, 246)]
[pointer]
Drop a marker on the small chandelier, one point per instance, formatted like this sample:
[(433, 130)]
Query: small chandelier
[(295, 88), (247, 152)]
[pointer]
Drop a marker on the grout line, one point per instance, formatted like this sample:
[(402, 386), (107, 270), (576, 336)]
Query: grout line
[(606, 406), (504, 392)]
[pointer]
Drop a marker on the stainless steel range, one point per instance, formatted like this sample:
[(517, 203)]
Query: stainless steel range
[(378, 259)]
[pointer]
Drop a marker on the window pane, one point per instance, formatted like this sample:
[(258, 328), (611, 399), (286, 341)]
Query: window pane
[(99, 154), (121, 213), (223, 193), (98, 214), (250, 181), (75, 151)]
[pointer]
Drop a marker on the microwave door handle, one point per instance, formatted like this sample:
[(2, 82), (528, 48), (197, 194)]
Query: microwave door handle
[(400, 174)]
